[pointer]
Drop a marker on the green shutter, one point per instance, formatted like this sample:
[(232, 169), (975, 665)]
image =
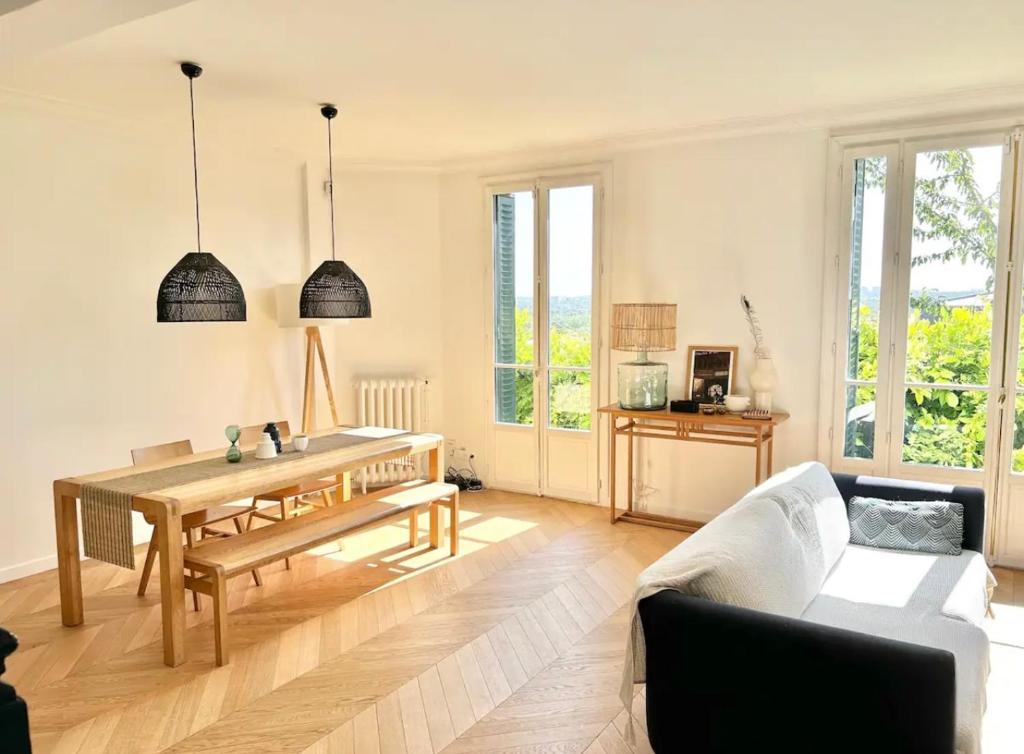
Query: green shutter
[(505, 305)]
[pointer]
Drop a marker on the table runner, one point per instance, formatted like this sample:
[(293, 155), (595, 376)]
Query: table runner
[(107, 505)]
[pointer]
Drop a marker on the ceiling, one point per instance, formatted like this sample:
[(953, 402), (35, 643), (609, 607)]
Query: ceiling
[(447, 80)]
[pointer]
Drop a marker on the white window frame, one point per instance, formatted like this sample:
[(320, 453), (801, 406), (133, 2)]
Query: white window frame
[(597, 174), (904, 144)]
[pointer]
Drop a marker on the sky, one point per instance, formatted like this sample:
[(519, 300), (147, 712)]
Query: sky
[(570, 244)]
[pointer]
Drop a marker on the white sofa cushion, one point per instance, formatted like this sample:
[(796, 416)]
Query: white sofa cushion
[(933, 600)]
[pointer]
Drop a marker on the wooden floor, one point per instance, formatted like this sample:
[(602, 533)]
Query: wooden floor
[(514, 646)]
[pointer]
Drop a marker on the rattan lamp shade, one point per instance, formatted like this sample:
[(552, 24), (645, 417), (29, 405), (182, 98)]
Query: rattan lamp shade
[(334, 291), (200, 289), (643, 327)]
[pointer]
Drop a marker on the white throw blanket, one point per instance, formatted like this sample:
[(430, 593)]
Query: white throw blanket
[(771, 551)]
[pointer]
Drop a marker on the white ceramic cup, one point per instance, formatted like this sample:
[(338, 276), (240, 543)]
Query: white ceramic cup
[(737, 403), (300, 442)]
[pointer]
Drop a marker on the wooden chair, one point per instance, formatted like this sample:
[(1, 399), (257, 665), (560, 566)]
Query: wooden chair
[(286, 496), (217, 561), (190, 522)]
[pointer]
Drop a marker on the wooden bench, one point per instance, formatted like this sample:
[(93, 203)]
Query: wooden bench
[(219, 559)]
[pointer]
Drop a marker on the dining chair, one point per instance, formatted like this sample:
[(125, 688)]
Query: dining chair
[(286, 496), (190, 522)]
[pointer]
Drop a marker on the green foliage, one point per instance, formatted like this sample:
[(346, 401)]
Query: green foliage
[(570, 390), (942, 426)]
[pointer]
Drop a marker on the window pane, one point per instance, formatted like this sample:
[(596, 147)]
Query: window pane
[(953, 253), (513, 395), (570, 399), (859, 431), (570, 275), (513, 278), (867, 228), (1018, 435), (945, 427)]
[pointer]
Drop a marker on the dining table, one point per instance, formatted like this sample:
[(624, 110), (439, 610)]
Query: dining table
[(175, 487)]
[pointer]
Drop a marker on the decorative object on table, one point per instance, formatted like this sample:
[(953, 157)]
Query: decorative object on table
[(710, 373), (643, 384), (233, 432), (684, 407), (199, 288), (300, 442), (737, 404), (763, 379), (275, 434), (759, 414), (13, 710), (333, 290), (708, 409), (266, 447)]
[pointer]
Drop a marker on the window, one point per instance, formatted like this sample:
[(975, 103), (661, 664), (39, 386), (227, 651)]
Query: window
[(920, 271)]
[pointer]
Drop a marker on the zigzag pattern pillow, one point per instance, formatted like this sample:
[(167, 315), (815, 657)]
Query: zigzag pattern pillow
[(933, 526)]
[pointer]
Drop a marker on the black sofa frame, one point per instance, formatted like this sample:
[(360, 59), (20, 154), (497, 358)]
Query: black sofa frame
[(729, 679)]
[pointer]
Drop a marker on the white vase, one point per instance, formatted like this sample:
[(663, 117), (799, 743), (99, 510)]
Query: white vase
[(762, 382)]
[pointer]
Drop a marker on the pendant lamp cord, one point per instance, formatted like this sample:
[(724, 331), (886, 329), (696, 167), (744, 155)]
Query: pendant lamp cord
[(195, 163), (330, 183)]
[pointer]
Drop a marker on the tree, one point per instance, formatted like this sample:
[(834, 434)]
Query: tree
[(951, 209)]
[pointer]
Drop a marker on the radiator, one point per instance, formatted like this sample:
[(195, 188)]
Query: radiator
[(399, 403)]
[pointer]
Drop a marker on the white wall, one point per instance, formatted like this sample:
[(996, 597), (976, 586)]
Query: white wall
[(91, 218), (696, 224), (389, 233)]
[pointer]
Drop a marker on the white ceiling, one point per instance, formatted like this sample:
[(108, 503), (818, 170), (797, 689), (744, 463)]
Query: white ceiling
[(443, 80)]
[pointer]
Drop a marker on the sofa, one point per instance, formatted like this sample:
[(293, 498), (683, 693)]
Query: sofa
[(748, 641)]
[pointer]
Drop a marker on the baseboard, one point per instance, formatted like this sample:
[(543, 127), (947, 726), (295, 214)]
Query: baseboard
[(28, 568)]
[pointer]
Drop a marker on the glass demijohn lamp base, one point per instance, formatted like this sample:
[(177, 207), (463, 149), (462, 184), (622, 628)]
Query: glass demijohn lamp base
[(643, 384)]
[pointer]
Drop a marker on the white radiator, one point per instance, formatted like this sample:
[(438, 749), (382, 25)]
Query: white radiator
[(399, 403)]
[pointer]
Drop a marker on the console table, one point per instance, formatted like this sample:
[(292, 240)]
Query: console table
[(714, 429)]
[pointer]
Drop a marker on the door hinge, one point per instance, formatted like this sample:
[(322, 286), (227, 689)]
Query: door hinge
[(831, 433), (835, 349), (1009, 266)]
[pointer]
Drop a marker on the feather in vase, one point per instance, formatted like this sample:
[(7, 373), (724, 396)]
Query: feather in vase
[(760, 351)]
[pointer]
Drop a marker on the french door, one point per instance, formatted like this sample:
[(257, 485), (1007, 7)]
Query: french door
[(544, 273), (927, 358)]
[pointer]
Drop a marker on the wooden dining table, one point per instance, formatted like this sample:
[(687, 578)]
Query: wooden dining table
[(167, 506)]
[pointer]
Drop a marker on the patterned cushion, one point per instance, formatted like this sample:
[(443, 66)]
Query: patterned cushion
[(936, 526)]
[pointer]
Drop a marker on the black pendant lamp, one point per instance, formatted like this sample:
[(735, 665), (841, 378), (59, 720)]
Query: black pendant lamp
[(199, 288), (333, 291)]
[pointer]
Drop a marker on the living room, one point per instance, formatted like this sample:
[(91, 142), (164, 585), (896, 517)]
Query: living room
[(776, 235)]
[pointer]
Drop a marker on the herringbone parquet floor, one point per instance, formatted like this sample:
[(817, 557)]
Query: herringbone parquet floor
[(514, 646)]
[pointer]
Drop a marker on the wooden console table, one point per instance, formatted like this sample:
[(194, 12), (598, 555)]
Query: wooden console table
[(715, 429)]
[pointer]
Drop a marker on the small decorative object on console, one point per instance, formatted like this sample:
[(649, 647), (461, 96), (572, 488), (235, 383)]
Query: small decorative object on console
[(761, 414), (300, 442), (684, 407), (737, 404), (232, 432)]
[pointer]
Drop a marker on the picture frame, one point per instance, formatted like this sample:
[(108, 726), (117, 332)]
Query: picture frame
[(710, 373)]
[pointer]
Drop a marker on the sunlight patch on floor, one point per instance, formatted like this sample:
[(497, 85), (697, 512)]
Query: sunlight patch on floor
[(496, 529)]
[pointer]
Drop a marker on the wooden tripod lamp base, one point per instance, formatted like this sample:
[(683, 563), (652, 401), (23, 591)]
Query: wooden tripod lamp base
[(314, 353)]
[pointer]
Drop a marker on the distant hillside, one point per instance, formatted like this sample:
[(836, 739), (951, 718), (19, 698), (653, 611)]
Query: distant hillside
[(568, 313)]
